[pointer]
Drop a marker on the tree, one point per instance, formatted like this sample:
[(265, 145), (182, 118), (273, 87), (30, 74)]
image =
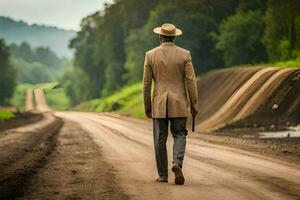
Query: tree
[(32, 73), (7, 75), (111, 45), (282, 29), (253, 5), (137, 43), (39, 54), (100, 49), (35, 65), (76, 82), (240, 39), (197, 19), (48, 57)]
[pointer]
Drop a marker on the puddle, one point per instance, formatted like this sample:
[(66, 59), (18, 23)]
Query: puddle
[(280, 134)]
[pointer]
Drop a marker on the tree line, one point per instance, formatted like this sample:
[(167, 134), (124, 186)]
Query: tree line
[(110, 47), (7, 75), (24, 64), (35, 65)]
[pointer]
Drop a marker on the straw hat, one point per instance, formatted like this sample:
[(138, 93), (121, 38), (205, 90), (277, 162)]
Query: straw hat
[(168, 30)]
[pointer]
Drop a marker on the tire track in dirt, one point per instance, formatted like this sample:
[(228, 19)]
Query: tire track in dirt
[(23, 153), (282, 185), (75, 170), (15, 143)]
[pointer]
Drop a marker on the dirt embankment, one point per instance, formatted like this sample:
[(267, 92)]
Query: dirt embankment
[(249, 98), (217, 87)]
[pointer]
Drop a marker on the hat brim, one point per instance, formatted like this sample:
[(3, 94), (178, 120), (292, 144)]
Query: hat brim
[(158, 31)]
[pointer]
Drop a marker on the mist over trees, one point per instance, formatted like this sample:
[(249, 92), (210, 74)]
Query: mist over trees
[(7, 75), (110, 47), (35, 65), (13, 31)]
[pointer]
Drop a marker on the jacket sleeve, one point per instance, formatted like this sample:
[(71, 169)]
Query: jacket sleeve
[(147, 83), (191, 81)]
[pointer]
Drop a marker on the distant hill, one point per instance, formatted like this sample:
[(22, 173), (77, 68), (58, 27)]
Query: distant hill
[(36, 35)]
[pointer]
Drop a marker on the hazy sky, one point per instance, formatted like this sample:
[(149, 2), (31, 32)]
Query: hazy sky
[(65, 14)]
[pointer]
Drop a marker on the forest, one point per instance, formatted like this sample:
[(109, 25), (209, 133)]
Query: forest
[(7, 75), (35, 65), (110, 47), (23, 64)]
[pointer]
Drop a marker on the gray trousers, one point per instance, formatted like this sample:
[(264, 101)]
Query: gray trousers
[(160, 135)]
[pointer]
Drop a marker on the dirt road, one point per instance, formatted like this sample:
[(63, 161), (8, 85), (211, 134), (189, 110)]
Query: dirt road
[(212, 171), (107, 156)]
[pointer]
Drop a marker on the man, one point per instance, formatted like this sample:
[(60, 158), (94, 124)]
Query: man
[(172, 70)]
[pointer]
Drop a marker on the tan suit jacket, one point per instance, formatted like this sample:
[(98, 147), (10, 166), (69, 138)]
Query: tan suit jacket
[(175, 86)]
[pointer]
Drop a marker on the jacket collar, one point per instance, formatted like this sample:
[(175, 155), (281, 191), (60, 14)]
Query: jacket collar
[(168, 44)]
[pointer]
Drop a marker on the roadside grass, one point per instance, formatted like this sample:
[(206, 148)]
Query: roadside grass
[(57, 99), (5, 115), (55, 95), (18, 99), (128, 100), (289, 63), (48, 86), (283, 64)]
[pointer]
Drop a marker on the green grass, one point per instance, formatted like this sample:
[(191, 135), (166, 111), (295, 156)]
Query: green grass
[(127, 100), (290, 63), (48, 86), (55, 95), (5, 115), (57, 98), (18, 99)]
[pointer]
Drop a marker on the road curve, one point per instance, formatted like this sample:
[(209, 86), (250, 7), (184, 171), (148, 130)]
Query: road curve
[(41, 103), (212, 172)]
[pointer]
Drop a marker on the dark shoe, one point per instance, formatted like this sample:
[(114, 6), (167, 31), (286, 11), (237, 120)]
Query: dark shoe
[(179, 178), (162, 179)]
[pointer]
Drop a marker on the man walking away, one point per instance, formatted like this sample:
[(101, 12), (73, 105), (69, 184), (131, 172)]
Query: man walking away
[(172, 70)]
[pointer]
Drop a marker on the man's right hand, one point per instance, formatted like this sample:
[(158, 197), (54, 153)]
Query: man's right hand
[(194, 111), (148, 113)]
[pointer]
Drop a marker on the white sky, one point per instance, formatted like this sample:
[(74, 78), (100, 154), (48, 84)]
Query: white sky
[(65, 14)]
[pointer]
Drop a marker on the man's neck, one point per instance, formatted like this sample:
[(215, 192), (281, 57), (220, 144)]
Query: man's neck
[(168, 41)]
